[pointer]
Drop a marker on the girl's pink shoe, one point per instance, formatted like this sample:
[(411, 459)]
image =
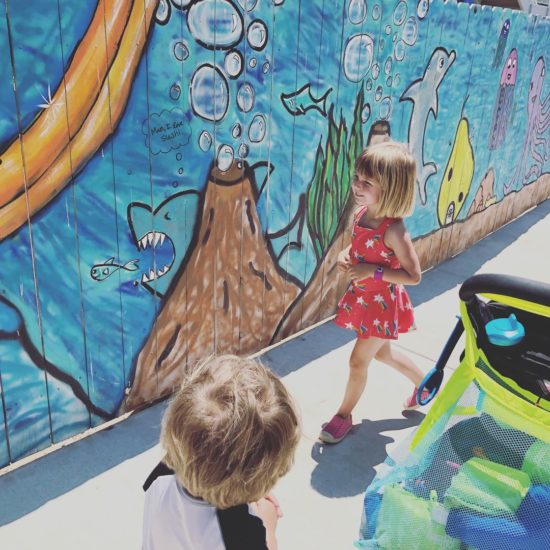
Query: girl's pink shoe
[(336, 429), (410, 403)]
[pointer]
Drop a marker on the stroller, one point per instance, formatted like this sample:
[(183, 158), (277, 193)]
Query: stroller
[(476, 472)]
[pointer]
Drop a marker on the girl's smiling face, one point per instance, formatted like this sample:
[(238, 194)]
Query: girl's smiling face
[(366, 191)]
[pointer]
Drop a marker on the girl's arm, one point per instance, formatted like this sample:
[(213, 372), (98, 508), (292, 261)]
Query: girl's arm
[(397, 239)]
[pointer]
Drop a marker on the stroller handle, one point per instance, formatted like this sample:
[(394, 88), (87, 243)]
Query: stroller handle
[(505, 285)]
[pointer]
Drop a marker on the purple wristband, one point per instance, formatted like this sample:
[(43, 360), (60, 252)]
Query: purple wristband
[(378, 274)]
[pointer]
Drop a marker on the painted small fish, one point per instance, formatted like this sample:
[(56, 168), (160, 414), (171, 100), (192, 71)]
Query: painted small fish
[(100, 272), (301, 101)]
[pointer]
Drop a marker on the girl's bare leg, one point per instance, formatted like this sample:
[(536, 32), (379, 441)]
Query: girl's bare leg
[(400, 362), (361, 356)]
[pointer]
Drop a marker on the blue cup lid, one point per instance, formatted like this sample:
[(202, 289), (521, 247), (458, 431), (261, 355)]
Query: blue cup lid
[(505, 332)]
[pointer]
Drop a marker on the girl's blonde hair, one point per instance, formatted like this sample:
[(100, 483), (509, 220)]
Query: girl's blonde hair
[(230, 432), (392, 166)]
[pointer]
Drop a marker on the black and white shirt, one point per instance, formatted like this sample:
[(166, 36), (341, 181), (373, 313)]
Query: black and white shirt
[(174, 520)]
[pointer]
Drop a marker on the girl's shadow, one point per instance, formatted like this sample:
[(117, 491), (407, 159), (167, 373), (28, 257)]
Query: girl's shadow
[(346, 469)]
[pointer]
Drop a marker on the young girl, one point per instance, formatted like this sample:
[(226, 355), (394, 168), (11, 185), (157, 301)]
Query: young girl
[(379, 261)]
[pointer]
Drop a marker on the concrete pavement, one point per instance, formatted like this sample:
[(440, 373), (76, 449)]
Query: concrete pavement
[(88, 495)]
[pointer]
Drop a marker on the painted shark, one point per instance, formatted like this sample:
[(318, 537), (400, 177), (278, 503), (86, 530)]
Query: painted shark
[(423, 94)]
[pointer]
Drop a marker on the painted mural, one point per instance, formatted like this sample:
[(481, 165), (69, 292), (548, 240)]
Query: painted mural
[(174, 175)]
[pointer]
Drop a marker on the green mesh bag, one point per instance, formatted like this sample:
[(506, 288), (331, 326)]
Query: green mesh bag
[(476, 472)]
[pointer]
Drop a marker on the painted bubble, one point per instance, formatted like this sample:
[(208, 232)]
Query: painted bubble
[(375, 71), (216, 24), (181, 4), (410, 31), (422, 8), (246, 97), (252, 62), (225, 157), (278, 2), (236, 131), (397, 79), (399, 50), (248, 5), (388, 65), (378, 93), (381, 44), (357, 11), (387, 30), (209, 93), (257, 35), (162, 15), (181, 51), (400, 13), (175, 91), (385, 108), (376, 12), (265, 67), (243, 150), (256, 131), (358, 57), (233, 63), (205, 140), (368, 84), (389, 81), (365, 113), (394, 37)]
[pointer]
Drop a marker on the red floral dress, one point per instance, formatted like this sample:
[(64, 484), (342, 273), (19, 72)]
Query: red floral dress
[(374, 308)]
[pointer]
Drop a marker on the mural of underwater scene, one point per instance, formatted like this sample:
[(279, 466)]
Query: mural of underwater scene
[(174, 175)]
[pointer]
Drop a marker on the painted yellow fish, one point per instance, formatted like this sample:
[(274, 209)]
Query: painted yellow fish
[(457, 178)]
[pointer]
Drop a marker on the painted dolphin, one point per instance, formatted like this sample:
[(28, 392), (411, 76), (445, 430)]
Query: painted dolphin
[(423, 94), (299, 102)]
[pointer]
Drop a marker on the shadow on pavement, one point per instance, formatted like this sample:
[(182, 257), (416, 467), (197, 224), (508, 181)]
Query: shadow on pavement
[(46, 478), (346, 469)]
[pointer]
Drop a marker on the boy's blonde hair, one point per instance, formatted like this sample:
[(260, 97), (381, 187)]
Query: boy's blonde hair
[(230, 432), (393, 167)]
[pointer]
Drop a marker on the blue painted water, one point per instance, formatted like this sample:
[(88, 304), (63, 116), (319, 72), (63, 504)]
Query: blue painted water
[(138, 197)]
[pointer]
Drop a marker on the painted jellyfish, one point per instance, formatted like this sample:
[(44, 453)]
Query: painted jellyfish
[(358, 57), (536, 144), (502, 39), (504, 101), (209, 93), (215, 24), (357, 11), (233, 64)]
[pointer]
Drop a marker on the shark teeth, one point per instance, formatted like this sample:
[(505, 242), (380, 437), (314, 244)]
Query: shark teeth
[(152, 238), (152, 275)]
